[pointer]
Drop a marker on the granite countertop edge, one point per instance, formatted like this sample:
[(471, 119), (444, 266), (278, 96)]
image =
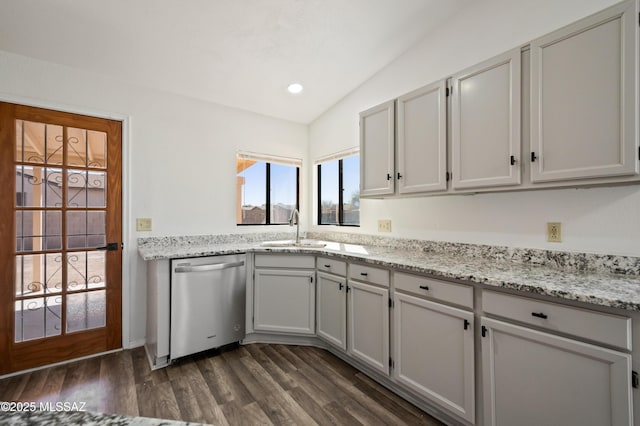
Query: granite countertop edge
[(610, 290)]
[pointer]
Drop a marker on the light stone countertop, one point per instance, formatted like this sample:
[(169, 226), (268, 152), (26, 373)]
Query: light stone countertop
[(597, 287)]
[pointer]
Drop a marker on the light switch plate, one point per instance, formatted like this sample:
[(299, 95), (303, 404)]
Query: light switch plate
[(143, 224)]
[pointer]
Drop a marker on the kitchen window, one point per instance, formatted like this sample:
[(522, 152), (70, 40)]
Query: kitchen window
[(267, 189), (339, 189)]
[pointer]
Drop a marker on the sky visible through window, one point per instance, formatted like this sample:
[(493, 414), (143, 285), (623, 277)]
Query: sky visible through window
[(351, 177), (253, 190), (331, 210), (281, 178)]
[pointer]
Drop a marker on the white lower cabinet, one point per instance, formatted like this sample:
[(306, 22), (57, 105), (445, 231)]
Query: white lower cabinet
[(434, 353), (542, 363), (284, 301), (368, 325), (535, 378), (332, 309)]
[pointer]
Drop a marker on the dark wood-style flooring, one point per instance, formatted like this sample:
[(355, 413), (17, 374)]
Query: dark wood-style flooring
[(246, 385)]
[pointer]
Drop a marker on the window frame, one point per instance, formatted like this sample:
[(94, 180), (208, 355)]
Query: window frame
[(340, 157), (268, 160)]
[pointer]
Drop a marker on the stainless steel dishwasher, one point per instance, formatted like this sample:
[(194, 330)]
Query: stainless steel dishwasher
[(207, 303)]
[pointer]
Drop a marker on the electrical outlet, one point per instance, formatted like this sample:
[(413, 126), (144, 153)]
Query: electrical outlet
[(554, 232), (143, 224), (384, 225)]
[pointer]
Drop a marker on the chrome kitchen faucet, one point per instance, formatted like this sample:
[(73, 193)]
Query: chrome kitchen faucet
[(295, 213)]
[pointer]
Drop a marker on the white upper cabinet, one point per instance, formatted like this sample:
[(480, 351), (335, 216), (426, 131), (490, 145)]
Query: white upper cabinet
[(485, 123), (584, 115), (422, 140), (377, 144)]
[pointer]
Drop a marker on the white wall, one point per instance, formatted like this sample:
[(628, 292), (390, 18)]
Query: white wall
[(601, 220), (181, 155)]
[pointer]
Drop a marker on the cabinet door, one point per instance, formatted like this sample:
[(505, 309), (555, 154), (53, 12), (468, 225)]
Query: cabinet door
[(434, 353), (535, 378), (583, 98), (368, 330), (284, 301), (422, 140), (377, 139), (332, 309), (486, 124)]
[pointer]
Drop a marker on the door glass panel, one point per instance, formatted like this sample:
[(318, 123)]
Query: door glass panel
[(38, 230), (86, 188), (38, 143), (86, 148), (86, 310), (85, 270), (37, 318), (38, 186), (38, 274), (85, 229)]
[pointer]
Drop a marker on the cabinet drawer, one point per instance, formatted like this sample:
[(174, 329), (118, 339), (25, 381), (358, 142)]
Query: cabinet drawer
[(458, 294), (333, 266), (284, 261), (601, 327), (369, 274)]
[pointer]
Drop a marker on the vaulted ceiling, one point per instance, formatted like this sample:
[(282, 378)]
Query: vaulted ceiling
[(240, 53)]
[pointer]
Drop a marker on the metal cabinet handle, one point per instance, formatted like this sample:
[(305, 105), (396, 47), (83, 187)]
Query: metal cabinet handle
[(327, 266), (364, 274), (533, 157), (399, 176), (424, 287), (513, 160), (389, 176), (340, 286), (538, 315)]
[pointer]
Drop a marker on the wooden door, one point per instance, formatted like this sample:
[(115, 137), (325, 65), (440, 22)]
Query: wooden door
[(434, 353), (61, 234), (368, 331), (535, 378), (284, 301), (332, 309), (486, 123), (584, 116), (422, 140), (377, 150)]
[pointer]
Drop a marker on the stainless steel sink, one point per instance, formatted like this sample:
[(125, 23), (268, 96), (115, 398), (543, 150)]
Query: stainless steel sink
[(292, 243)]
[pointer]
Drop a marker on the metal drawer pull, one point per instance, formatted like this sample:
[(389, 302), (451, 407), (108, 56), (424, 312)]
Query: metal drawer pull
[(539, 315), (424, 287), (327, 266), (364, 274)]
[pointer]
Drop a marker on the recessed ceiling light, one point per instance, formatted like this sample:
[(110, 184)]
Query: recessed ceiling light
[(295, 88)]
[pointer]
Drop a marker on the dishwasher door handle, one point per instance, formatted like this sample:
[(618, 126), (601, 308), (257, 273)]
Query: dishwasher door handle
[(210, 267)]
